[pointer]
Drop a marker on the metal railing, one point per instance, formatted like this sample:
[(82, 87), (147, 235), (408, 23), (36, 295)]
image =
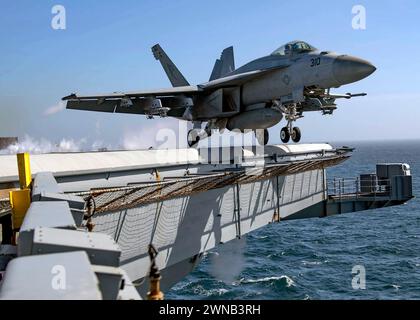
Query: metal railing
[(356, 187)]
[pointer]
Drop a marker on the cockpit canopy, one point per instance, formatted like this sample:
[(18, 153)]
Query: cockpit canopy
[(294, 47)]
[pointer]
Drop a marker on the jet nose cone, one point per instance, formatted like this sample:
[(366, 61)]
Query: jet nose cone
[(347, 69)]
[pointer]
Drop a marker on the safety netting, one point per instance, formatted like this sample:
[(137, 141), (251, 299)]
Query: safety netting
[(114, 199)]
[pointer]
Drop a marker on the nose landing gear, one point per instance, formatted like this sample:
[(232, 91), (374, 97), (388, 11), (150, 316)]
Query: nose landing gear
[(289, 131), (296, 134), (286, 134)]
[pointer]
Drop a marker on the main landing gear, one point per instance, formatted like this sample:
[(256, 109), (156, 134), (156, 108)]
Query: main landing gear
[(195, 135), (262, 136), (290, 132)]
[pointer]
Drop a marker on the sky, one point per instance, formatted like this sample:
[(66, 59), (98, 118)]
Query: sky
[(106, 47)]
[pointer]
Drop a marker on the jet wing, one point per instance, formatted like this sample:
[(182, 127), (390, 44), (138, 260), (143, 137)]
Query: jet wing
[(170, 101), (134, 94), (149, 102)]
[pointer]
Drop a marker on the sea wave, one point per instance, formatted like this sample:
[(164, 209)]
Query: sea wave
[(287, 279), (200, 290), (314, 263)]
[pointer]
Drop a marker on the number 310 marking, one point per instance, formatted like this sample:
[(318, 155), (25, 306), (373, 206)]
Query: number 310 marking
[(315, 62)]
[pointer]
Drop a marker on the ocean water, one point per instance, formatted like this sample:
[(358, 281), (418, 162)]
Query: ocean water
[(314, 258)]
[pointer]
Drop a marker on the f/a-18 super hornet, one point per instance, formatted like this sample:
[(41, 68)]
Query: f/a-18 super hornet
[(294, 79)]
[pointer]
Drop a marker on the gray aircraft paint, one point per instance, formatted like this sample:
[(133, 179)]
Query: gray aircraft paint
[(287, 83)]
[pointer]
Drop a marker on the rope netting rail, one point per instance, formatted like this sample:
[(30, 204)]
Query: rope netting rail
[(121, 198)]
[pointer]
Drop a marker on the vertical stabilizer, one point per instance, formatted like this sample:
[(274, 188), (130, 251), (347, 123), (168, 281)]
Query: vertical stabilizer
[(174, 75), (216, 70), (224, 65)]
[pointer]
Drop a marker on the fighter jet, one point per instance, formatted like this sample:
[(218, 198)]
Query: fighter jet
[(294, 79)]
